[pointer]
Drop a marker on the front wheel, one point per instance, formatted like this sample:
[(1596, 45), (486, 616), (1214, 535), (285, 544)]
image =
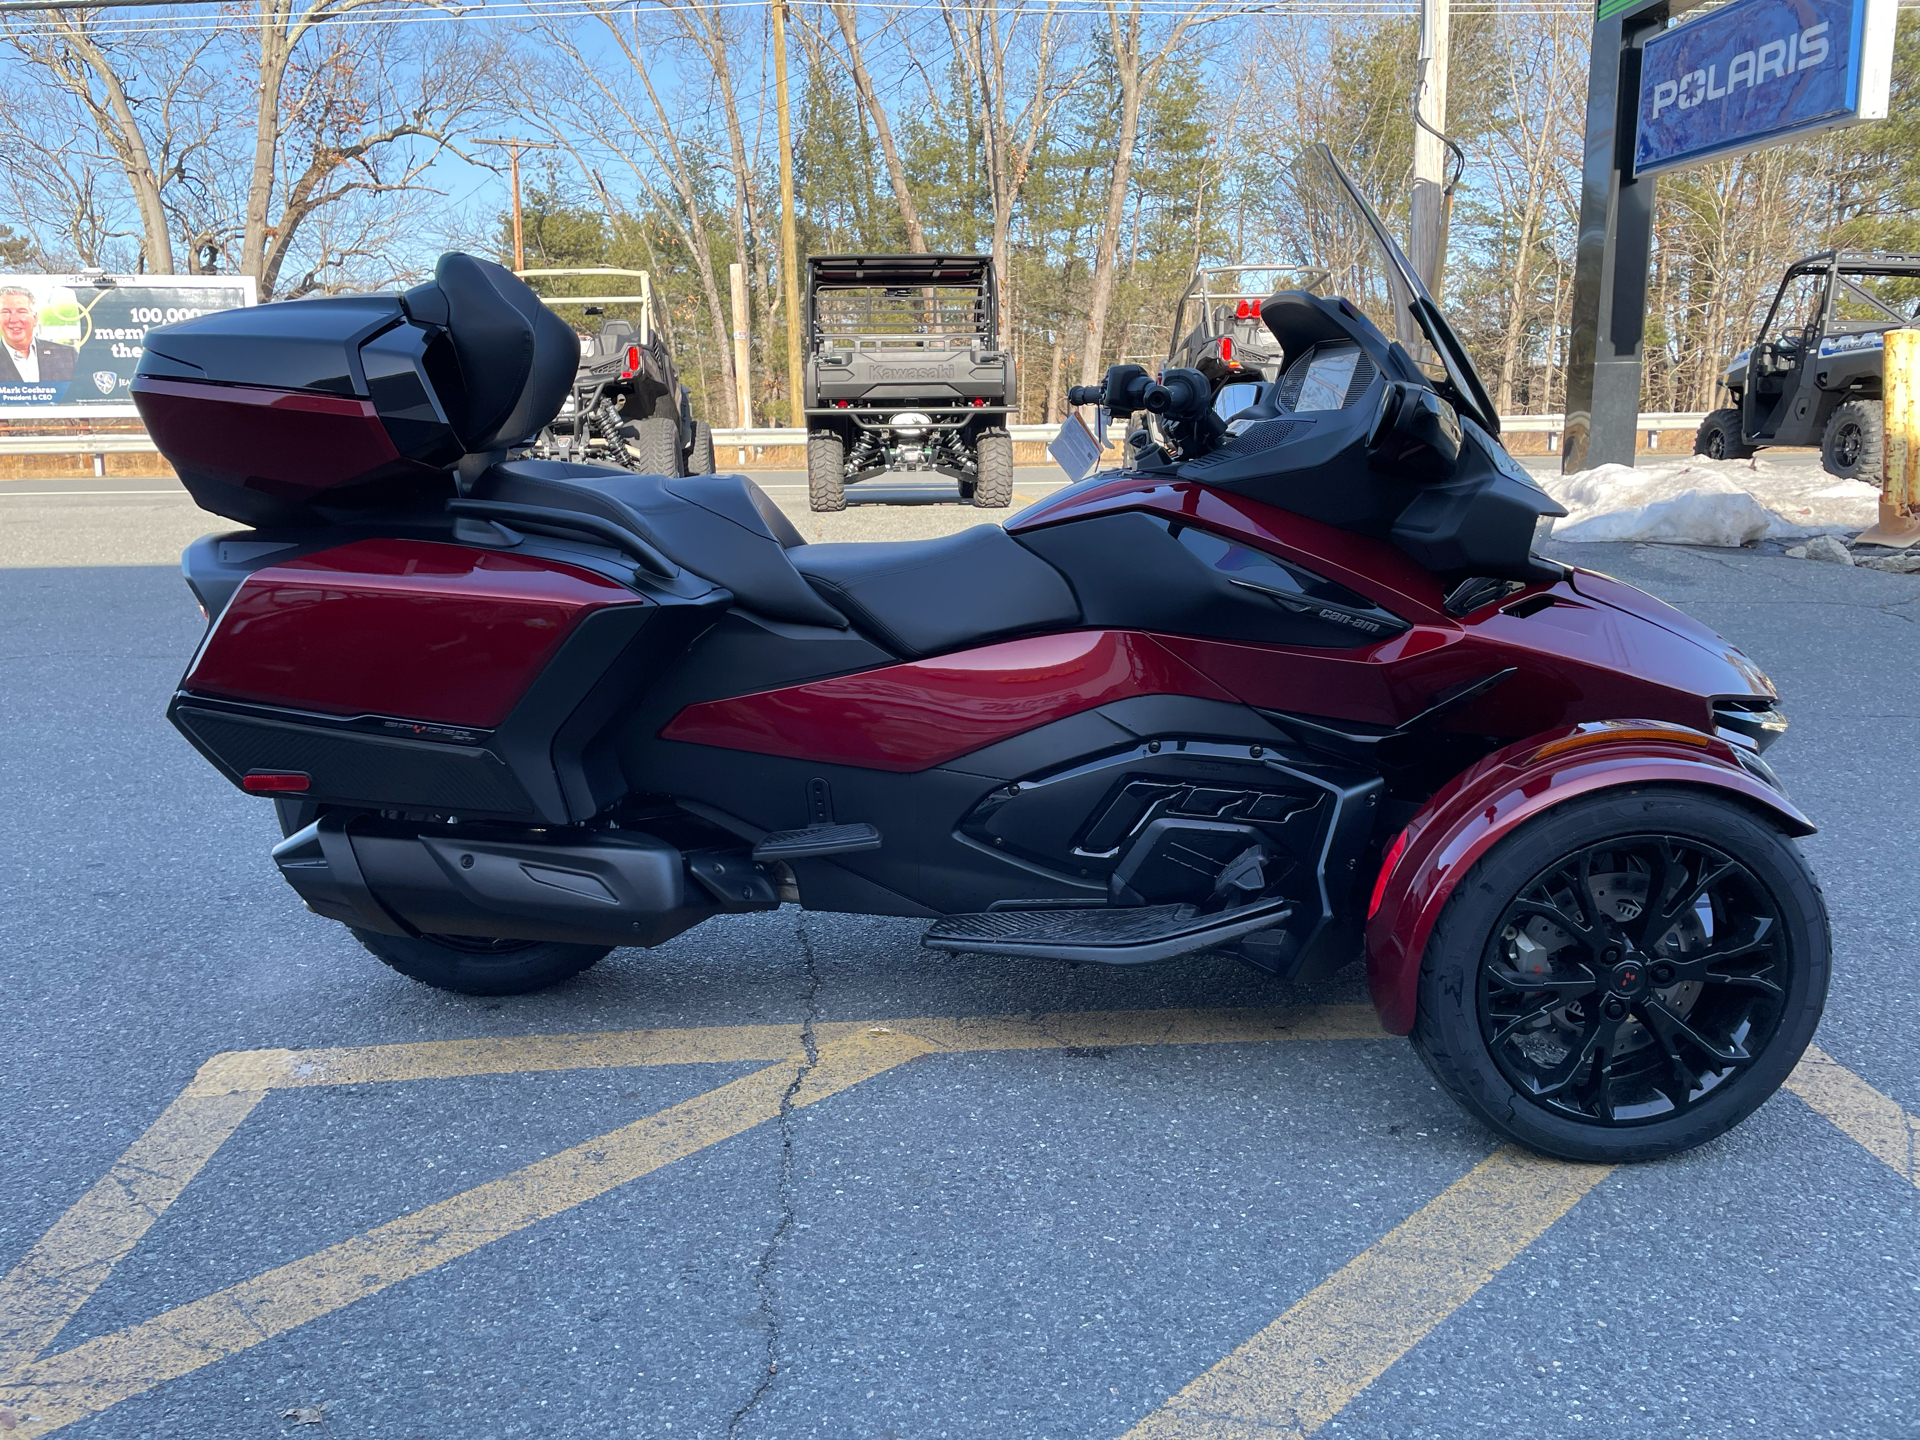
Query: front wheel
[(1718, 437), (1639, 993), (475, 966)]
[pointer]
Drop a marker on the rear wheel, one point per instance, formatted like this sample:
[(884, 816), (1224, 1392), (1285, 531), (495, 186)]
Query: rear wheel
[(826, 472), (472, 965), (1851, 447), (993, 483), (700, 457), (1718, 437), (469, 964), (653, 444), (1641, 991)]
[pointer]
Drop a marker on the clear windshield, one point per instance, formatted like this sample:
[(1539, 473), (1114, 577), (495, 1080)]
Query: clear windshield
[(1340, 235)]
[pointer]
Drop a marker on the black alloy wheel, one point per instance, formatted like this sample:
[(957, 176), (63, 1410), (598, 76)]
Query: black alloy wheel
[(1718, 437), (1639, 993), (1631, 979), (1852, 443)]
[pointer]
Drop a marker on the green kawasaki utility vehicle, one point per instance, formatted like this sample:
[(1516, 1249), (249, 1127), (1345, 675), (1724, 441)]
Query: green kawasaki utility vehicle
[(1813, 377), (905, 372)]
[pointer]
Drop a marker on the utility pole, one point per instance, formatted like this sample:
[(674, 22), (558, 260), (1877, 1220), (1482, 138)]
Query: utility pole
[(1429, 149), (737, 282), (513, 149), (789, 260)]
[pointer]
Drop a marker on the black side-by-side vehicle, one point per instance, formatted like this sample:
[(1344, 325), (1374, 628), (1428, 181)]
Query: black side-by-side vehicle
[(1814, 374)]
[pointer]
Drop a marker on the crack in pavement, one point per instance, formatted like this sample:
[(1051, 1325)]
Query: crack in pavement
[(770, 1253)]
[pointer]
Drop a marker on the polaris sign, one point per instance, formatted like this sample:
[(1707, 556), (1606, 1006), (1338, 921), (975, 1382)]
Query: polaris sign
[(1759, 72)]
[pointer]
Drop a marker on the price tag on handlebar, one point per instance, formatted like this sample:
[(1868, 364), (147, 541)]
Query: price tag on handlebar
[(1074, 449)]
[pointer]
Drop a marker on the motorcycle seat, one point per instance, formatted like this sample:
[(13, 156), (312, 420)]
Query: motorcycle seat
[(723, 528), (925, 597)]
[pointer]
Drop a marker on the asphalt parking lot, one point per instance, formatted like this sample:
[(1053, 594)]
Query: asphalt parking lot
[(794, 1176)]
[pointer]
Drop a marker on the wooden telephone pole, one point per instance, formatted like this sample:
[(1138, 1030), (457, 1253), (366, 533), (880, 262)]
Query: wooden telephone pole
[(1429, 220), (513, 149), (789, 259)]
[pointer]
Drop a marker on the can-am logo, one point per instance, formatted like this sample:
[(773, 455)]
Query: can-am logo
[(1774, 60)]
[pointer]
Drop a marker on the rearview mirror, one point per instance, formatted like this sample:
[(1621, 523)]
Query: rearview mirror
[(1416, 434)]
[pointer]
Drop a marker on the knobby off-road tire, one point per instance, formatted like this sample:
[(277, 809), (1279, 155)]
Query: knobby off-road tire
[(653, 445), (1718, 437), (826, 473), (700, 457), (993, 483), (466, 963), (1852, 446), (474, 966), (1665, 1040)]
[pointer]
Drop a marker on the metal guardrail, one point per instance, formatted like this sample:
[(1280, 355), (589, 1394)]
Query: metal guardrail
[(774, 437)]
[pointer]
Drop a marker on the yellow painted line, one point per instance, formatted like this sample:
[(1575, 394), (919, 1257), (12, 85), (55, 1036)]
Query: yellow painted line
[(512, 1055), (1876, 1122), (1304, 1368), (77, 1383), (245, 1070), (61, 1273), (76, 1256)]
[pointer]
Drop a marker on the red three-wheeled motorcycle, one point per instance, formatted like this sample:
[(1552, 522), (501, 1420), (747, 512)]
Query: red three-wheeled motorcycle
[(1291, 683)]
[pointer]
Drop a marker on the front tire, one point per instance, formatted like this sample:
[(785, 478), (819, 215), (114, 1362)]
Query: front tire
[(470, 965), (993, 483), (700, 457), (826, 473), (1718, 437), (653, 445), (1640, 992), (1851, 447)]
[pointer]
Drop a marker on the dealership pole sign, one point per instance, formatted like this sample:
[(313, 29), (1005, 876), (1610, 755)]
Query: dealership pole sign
[(77, 339), (1759, 72)]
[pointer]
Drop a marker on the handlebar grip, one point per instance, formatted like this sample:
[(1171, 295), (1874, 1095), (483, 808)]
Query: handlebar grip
[(1086, 394)]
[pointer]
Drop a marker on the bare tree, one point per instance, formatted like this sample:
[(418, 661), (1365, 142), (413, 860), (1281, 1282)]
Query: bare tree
[(338, 110), (656, 130), (846, 14), (983, 36), (1138, 60), (1530, 151), (704, 23)]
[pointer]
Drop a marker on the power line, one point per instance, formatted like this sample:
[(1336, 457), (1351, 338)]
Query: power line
[(518, 9)]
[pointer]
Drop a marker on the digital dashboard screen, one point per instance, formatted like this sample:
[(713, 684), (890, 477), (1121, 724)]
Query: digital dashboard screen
[(1329, 372)]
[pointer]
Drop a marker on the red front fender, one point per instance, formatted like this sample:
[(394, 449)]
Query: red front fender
[(1481, 806)]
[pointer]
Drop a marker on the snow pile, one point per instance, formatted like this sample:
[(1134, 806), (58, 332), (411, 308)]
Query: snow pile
[(1709, 502)]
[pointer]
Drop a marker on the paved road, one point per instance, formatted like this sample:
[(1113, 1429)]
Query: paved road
[(1033, 1227)]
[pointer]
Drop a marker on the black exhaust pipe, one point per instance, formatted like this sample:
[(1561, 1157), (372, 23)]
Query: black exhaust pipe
[(626, 889)]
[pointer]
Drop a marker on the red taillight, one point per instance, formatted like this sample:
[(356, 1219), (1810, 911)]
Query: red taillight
[(633, 363), (1226, 348), (1391, 859), (1245, 311), (275, 782), (979, 402)]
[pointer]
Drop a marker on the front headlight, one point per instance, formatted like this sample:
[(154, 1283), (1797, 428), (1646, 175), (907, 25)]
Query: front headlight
[(1752, 724)]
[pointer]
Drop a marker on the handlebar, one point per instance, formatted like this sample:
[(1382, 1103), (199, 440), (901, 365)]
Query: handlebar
[(1179, 394)]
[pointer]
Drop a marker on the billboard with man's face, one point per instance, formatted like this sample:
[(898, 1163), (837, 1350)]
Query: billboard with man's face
[(77, 339)]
